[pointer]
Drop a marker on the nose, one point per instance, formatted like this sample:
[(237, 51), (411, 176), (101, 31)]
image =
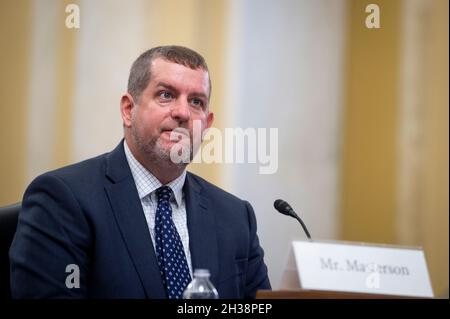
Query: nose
[(180, 111)]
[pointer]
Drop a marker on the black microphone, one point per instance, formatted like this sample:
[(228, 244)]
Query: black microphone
[(286, 209)]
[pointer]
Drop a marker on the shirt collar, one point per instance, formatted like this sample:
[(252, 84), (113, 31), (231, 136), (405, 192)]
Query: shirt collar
[(147, 183)]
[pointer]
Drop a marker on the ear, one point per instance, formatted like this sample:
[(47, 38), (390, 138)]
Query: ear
[(126, 106), (209, 119)]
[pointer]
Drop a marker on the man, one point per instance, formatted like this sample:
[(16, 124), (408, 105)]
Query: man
[(133, 223)]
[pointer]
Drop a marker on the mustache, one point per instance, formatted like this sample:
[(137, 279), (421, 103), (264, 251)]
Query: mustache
[(174, 128), (177, 130)]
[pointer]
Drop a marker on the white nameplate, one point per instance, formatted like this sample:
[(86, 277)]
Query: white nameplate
[(353, 267)]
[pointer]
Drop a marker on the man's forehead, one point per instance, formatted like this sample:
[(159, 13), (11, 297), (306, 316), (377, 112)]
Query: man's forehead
[(164, 71)]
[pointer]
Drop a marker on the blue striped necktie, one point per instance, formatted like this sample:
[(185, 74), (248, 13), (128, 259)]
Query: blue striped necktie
[(169, 248)]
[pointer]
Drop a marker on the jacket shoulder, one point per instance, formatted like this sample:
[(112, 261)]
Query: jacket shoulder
[(84, 172)]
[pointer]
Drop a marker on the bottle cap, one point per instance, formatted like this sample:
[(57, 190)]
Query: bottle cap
[(201, 273)]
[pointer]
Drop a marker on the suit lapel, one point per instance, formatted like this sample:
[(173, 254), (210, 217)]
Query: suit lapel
[(202, 229), (127, 208)]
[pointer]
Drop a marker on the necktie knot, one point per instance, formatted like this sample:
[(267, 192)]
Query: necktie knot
[(163, 193)]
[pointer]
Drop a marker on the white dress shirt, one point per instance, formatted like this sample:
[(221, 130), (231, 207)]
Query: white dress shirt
[(147, 184)]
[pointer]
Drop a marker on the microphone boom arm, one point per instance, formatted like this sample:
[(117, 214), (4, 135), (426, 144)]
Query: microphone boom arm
[(304, 227)]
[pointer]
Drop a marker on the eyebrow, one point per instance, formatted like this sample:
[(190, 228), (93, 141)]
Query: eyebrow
[(167, 86), (172, 88)]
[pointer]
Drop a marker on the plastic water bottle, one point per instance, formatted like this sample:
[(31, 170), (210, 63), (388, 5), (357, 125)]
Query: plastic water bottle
[(201, 287)]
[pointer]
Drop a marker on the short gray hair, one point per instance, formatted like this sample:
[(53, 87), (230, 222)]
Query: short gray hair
[(140, 72)]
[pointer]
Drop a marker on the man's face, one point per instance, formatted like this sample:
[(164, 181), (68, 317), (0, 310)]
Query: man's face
[(175, 97)]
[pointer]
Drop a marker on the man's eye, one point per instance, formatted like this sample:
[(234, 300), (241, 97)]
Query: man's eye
[(197, 102), (164, 95)]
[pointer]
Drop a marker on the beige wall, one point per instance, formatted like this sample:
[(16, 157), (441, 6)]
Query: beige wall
[(15, 36), (435, 212), (369, 126), (395, 142), (64, 90), (423, 205)]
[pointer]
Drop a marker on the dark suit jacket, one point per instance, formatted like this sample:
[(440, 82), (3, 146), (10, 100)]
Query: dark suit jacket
[(89, 214)]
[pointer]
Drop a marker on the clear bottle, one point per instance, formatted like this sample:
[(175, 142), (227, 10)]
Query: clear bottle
[(201, 287)]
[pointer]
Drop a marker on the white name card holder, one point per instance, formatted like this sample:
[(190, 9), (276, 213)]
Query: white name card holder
[(357, 268)]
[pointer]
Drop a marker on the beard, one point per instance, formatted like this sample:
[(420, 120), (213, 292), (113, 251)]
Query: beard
[(155, 151)]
